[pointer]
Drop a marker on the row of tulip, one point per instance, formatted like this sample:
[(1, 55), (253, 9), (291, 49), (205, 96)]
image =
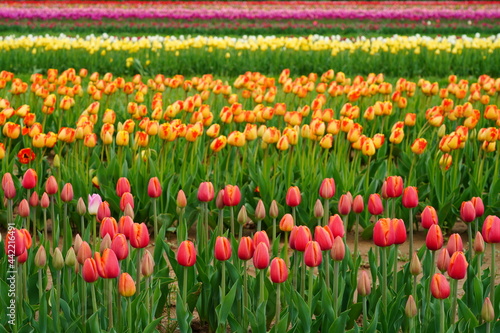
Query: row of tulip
[(397, 55), (275, 11), (210, 270), (256, 135)]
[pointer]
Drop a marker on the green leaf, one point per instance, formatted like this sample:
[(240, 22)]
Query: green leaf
[(304, 314), (93, 323), (152, 325), (227, 303), (339, 323), (184, 317)]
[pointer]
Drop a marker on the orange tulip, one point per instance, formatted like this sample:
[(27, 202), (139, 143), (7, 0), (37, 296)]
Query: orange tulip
[(107, 264), (126, 285), (139, 235)]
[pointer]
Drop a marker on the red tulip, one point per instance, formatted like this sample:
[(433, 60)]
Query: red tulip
[(375, 206), (478, 206), (27, 238), (429, 217), (186, 254), (457, 268), (399, 231), (443, 260), (383, 190), (336, 226), (222, 248), (14, 243), (440, 287), (67, 193), (232, 195), (293, 196), (126, 285), (345, 204), (219, 200), (324, 237), (383, 233), (139, 236), (261, 256), (24, 208), (286, 223), (312, 254), (302, 237), (278, 270), (108, 226), (491, 229), (467, 211), (246, 248), (337, 252), (126, 199), (51, 186), (34, 199), (8, 187), (434, 240), (103, 211), (479, 243), (410, 197), (122, 186), (120, 246), (364, 284), (394, 186), (454, 244), (125, 225), (84, 252), (154, 188), (206, 192), (261, 237), (89, 271), (358, 205), (107, 264), (30, 179), (327, 188)]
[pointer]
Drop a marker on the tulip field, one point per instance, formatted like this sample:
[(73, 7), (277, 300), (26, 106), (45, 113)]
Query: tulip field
[(248, 183)]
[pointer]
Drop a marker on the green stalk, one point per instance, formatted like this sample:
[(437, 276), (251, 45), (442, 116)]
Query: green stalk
[(493, 274), (278, 303), (310, 291), (285, 249), (259, 225), (82, 227), (442, 319), (395, 274), (84, 297), (383, 259), (94, 302), (262, 286), (365, 314), (55, 231), (356, 237), (66, 240), (336, 287), (294, 214), (40, 285), (470, 253), (155, 219), (326, 263), (454, 291), (326, 210), (245, 295), (232, 219), (58, 298), (295, 269), (129, 315), (109, 288), (184, 285), (220, 222), (45, 225), (302, 276), (274, 233), (223, 281), (410, 254), (138, 272), (119, 312)]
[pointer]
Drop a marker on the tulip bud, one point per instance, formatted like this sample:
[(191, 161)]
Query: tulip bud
[(273, 209), (84, 252), (260, 211), (324, 237), (186, 254), (40, 257), (286, 223), (434, 239), (122, 186), (457, 268), (154, 188), (222, 249), (487, 311), (364, 285), (383, 233), (181, 199), (103, 211), (57, 259), (443, 260), (491, 229), (24, 208), (206, 192), (415, 265), (278, 270), (126, 285), (89, 271), (51, 186), (77, 243), (30, 179), (336, 226), (454, 244), (478, 243), (410, 307), (81, 209), (327, 188), (429, 217), (246, 248), (34, 200), (261, 256), (67, 192), (94, 201), (8, 187), (440, 287), (375, 206), (147, 264), (358, 205), (128, 211), (478, 206), (105, 243), (312, 254), (337, 252), (120, 246), (410, 197), (70, 260), (467, 211), (318, 209), (293, 196), (345, 204)]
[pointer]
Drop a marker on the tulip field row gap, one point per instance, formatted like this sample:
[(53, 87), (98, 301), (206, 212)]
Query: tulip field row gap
[(243, 202)]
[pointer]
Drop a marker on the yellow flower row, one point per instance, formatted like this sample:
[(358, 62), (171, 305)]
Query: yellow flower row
[(335, 44)]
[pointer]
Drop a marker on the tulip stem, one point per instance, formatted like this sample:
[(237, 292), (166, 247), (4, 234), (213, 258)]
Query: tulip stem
[(45, 237), (138, 272), (155, 218), (110, 303), (285, 249), (84, 307), (278, 303), (295, 269), (454, 291), (232, 220), (94, 302), (245, 294), (55, 231), (383, 259), (327, 269), (470, 254), (310, 291), (82, 227), (367, 178), (220, 222), (294, 214), (129, 315), (94, 230), (335, 286), (365, 314), (223, 281), (40, 285), (395, 274), (302, 277), (356, 237), (67, 240), (410, 254), (442, 319), (119, 312), (274, 233), (184, 285), (493, 274), (326, 211)]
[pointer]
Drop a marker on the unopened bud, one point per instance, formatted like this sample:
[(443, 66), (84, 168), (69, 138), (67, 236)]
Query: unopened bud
[(219, 201), (242, 215), (415, 265), (260, 211), (70, 258), (40, 257), (487, 312), (318, 209), (106, 243), (273, 210), (81, 208), (57, 259), (411, 307)]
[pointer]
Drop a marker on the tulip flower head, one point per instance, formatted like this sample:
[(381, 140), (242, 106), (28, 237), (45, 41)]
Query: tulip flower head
[(293, 196), (454, 244), (120, 246), (394, 186), (246, 248), (327, 188), (51, 186), (364, 284), (126, 285), (147, 264), (337, 252), (467, 211), (139, 236), (345, 204), (443, 260), (24, 208), (206, 192), (232, 195), (89, 271), (107, 264), (154, 188), (410, 197), (491, 229), (300, 238), (261, 256), (399, 231), (286, 223), (434, 239), (8, 187), (457, 268), (94, 201), (429, 217), (103, 211), (478, 205), (383, 233), (336, 226), (375, 206), (324, 237), (479, 243), (122, 186), (30, 179), (67, 192), (186, 254), (278, 270), (261, 237), (440, 287), (222, 249), (312, 254), (358, 205)]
